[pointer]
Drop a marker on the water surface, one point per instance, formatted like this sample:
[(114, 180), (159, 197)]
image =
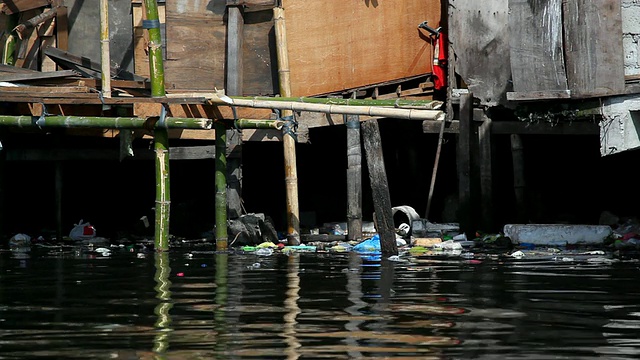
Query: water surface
[(190, 304)]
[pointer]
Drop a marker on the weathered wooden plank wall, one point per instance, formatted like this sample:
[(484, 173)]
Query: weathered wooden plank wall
[(479, 33), (259, 56), (84, 30), (537, 60), (593, 46), (335, 45), (196, 43)]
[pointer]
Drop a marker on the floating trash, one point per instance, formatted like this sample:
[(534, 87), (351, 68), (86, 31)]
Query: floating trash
[(264, 252)]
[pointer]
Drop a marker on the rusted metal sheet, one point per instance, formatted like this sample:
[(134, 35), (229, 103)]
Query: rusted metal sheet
[(537, 60), (593, 47), (479, 33)]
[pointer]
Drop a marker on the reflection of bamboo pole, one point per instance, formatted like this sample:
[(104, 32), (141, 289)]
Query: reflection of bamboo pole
[(221, 298), (104, 49), (221, 186), (288, 140), (163, 294), (161, 137), (292, 308)]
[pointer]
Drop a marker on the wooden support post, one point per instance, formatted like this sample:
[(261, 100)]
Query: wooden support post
[(486, 175), (235, 44), (221, 186), (58, 199), (519, 185), (434, 173), (234, 81), (58, 190), (464, 164), (62, 25), (288, 136), (354, 178), (379, 187)]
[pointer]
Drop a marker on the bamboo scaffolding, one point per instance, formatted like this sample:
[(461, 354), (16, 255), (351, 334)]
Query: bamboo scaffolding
[(104, 122), (288, 140), (377, 111), (222, 237), (104, 49), (161, 137), (259, 124), (399, 103)]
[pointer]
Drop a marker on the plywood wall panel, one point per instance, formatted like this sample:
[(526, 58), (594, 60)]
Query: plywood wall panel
[(336, 45)]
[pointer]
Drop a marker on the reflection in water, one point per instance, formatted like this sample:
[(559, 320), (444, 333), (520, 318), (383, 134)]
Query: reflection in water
[(163, 294), (354, 287), (222, 292), (333, 306), (291, 307)]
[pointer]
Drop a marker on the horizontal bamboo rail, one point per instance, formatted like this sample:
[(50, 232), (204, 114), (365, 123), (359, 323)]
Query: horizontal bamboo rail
[(399, 103), (259, 124), (397, 113), (105, 122)]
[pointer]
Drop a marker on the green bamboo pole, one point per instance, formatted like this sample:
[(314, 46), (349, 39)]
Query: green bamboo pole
[(259, 124), (161, 137), (426, 104), (9, 54), (104, 122), (156, 67), (221, 186), (163, 194)]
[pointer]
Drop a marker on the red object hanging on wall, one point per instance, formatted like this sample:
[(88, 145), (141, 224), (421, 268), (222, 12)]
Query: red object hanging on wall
[(440, 62)]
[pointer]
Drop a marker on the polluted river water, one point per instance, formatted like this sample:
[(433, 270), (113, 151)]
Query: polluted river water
[(193, 303)]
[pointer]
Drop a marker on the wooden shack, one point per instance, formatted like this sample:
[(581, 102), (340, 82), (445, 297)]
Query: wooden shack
[(507, 70), (367, 49)]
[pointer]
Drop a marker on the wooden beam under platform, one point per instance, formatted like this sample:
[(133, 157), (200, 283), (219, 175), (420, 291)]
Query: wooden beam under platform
[(176, 153), (521, 127)]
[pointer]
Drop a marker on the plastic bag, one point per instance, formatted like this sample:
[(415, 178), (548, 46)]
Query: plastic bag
[(82, 231), (371, 246)]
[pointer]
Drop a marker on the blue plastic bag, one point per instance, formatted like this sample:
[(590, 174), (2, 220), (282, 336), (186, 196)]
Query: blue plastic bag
[(370, 246)]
